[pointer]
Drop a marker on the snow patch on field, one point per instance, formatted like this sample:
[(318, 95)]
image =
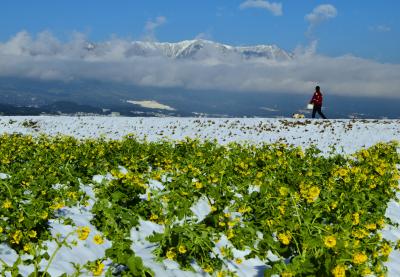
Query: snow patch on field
[(151, 104)]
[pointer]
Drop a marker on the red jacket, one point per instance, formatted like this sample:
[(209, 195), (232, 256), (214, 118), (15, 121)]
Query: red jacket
[(316, 99)]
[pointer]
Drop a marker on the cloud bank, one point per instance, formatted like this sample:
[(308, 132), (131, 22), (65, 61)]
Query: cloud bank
[(44, 57), (274, 8)]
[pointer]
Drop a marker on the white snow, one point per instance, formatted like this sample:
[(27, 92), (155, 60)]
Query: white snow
[(346, 136), (151, 104)]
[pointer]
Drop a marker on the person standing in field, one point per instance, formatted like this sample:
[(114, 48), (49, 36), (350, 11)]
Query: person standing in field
[(316, 100)]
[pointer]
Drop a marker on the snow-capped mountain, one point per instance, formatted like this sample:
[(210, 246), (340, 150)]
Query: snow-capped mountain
[(196, 49)]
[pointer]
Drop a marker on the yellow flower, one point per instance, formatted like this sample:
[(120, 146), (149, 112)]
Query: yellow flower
[(386, 249), (339, 271), (356, 218), (360, 234), (371, 226), (366, 271), (230, 234), (283, 191), (58, 205), (213, 208), (223, 251), (313, 194), (208, 269), (7, 204), (330, 241), (98, 269), (286, 274), (32, 234), (171, 254), (153, 217), (27, 247), (198, 185), (222, 224), (83, 232), (98, 239), (284, 238), (227, 215), (1, 229), (16, 237), (182, 249), (359, 258), (238, 260), (44, 215)]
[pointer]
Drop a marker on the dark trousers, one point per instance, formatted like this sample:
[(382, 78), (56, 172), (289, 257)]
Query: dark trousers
[(317, 109)]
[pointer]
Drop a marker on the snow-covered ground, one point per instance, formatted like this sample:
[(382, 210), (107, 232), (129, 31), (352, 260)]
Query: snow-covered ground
[(346, 136), (349, 134)]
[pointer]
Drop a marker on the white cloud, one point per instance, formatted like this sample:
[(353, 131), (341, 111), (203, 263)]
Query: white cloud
[(319, 14), (380, 29), (47, 58), (274, 8), (152, 25)]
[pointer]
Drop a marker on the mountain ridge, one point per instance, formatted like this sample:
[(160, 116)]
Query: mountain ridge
[(195, 49)]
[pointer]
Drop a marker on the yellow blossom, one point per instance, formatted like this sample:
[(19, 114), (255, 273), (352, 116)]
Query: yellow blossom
[(339, 271), (171, 254), (283, 191), (83, 232), (32, 234), (281, 209), (98, 269), (27, 247), (366, 272), (238, 260), (16, 237), (230, 234), (360, 234), (359, 258), (98, 239), (153, 217), (44, 215), (286, 274), (284, 238), (313, 194), (330, 241), (7, 204), (198, 185), (385, 250), (371, 226), (223, 251), (213, 208), (1, 229), (182, 249), (208, 269), (356, 218)]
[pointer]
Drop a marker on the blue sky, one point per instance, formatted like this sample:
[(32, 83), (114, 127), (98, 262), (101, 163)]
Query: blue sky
[(368, 29)]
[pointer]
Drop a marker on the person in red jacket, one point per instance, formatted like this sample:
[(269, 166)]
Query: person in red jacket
[(317, 101)]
